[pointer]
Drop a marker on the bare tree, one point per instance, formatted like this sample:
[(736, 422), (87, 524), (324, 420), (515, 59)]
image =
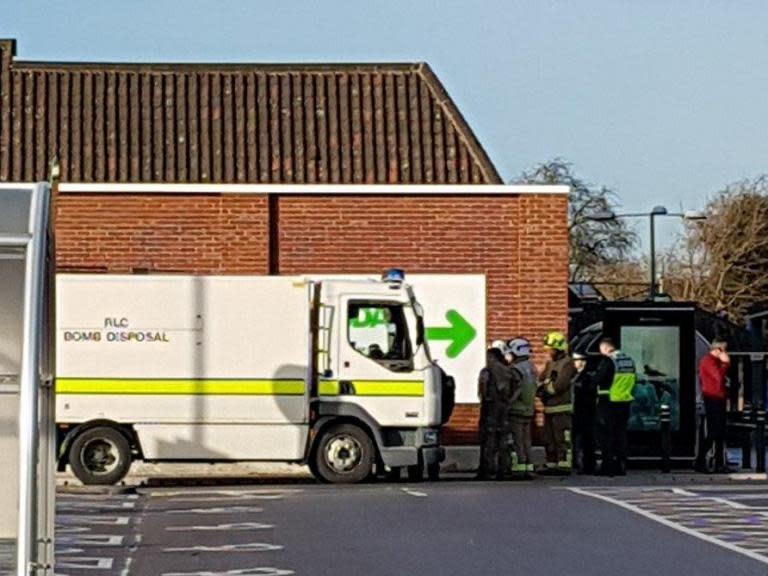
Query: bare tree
[(723, 262), (594, 246)]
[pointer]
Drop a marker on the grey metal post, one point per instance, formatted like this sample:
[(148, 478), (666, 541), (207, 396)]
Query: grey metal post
[(27, 544), (652, 266), (757, 362), (665, 421)]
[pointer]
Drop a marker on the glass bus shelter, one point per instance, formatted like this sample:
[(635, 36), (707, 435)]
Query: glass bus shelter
[(27, 423)]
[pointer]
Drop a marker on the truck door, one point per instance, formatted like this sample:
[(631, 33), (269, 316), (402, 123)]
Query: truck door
[(375, 362)]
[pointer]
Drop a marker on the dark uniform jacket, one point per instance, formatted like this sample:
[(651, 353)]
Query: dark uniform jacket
[(555, 381), (584, 399), (497, 381), (603, 376)]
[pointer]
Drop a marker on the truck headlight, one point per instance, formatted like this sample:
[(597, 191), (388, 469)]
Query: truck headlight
[(431, 436)]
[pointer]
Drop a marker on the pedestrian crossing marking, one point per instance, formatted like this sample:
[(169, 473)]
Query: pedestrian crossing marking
[(712, 518)]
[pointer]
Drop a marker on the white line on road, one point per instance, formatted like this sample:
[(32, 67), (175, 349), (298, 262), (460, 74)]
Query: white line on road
[(87, 564), (126, 571), (70, 497), (754, 496), (71, 529), (68, 551), (414, 493), (219, 510), (66, 519), (731, 503), (91, 540), (264, 571), (222, 527), (251, 547), (94, 506), (674, 526), (187, 493), (228, 498)]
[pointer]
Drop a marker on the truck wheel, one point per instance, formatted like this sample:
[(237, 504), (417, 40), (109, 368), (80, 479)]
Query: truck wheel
[(345, 455), (100, 456)]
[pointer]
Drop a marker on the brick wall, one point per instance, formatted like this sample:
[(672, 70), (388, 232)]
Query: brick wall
[(518, 242), (200, 234)]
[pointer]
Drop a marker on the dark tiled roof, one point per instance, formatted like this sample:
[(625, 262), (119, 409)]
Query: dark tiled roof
[(370, 123)]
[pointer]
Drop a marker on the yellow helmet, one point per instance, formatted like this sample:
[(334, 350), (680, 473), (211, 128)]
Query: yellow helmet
[(556, 341)]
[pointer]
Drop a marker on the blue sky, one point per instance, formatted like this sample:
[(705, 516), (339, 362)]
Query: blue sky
[(665, 101)]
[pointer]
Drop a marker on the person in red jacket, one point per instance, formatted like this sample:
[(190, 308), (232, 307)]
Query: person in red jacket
[(713, 376)]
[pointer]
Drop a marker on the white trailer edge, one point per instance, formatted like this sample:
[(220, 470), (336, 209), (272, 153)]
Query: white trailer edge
[(332, 373)]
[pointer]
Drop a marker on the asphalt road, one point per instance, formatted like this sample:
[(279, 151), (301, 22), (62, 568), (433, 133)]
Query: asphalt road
[(443, 528)]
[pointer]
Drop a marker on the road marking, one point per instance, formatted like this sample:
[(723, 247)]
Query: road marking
[(416, 493), (93, 506), (127, 568), (731, 503), (95, 497), (251, 547), (91, 540), (222, 527), (71, 529), (673, 525), (264, 571), (67, 551), (93, 520), (90, 563), (228, 498), (220, 510), (253, 492)]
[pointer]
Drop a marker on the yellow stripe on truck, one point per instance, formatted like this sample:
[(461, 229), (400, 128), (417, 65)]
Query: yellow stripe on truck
[(223, 387), (193, 387), (408, 388)]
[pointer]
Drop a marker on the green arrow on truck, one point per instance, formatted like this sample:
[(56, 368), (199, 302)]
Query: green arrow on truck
[(459, 332)]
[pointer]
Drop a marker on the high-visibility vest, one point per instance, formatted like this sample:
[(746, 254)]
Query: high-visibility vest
[(624, 377)]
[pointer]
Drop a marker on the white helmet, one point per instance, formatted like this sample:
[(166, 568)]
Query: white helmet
[(500, 345), (519, 347)]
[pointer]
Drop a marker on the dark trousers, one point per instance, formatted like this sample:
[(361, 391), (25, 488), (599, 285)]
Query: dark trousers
[(557, 431), (716, 426), (485, 408), (521, 441), (495, 453), (584, 438), (613, 419)]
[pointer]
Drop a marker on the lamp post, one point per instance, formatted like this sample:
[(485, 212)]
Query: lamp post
[(609, 215)]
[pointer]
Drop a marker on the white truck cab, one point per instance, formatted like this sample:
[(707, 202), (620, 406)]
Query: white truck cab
[(332, 373)]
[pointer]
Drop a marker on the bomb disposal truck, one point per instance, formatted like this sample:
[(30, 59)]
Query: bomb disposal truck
[(332, 373)]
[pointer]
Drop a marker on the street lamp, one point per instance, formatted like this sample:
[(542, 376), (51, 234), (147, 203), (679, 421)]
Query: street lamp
[(689, 215)]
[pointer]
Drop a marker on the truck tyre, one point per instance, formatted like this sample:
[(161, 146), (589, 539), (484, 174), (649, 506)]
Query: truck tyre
[(344, 455), (100, 456)]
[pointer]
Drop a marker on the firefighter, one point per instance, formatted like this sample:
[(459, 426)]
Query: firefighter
[(555, 391), (584, 414), (522, 407), (615, 378), (495, 390)]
